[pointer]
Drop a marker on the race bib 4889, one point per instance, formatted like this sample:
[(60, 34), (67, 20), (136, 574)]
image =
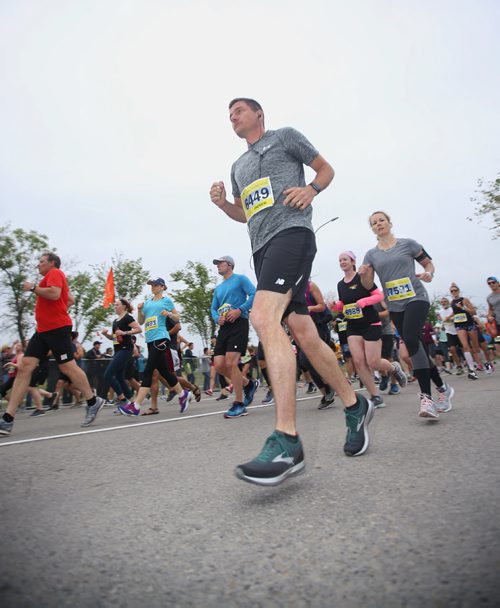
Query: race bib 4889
[(352, 311), (257, 196)]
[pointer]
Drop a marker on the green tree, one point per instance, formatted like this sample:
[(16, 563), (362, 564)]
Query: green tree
[(20, 251), (433, 310), (130, 276), (195, 298), (87, 312), (87, 288), (487, 203)]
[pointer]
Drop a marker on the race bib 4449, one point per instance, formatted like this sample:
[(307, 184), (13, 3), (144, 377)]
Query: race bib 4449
[(257, 196)]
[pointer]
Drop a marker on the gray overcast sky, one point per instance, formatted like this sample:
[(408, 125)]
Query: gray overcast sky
[(114, 123)]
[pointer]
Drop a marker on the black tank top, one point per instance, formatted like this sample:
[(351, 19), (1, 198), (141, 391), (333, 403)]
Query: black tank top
[(350, 293), (461, 317)]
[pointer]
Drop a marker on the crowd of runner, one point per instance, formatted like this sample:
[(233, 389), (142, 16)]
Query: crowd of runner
[(381, 333)]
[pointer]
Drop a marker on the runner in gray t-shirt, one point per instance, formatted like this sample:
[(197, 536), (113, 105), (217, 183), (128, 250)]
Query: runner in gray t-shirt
[(394, 261), (271, 195), (493, 300)]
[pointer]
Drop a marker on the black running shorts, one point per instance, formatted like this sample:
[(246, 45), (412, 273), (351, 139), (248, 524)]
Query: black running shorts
[(372, 333), (232, 338), (453, 340), (56, 340), (284, 264)]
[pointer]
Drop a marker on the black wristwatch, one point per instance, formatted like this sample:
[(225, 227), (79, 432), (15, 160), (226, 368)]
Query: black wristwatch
[(33, 289), (315, 186)]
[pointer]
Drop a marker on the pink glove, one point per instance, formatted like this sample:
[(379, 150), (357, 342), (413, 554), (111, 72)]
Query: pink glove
[(339, 306), (376, 296)]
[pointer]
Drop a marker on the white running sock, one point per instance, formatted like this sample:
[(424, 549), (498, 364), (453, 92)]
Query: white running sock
[(470, 361)]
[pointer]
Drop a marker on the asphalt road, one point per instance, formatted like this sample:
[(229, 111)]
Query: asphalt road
[(147, 511)]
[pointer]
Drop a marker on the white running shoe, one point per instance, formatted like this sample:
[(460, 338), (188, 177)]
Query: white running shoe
[(399, 374), (427, 407), (444, 398)]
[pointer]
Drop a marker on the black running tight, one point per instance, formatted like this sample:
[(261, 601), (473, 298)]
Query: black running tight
[(409, 324), (160, 358)]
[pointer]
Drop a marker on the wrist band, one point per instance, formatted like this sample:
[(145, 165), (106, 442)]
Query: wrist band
[(315, 186)]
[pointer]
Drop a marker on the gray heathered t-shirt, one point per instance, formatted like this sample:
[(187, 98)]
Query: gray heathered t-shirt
[(396, 270), (493, 300), (280, 156)]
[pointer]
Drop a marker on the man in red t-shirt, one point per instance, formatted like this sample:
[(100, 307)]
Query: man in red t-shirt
[(53, 333)]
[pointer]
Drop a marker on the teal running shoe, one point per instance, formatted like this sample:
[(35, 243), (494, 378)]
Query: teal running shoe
[(357, 420), (279, 459)]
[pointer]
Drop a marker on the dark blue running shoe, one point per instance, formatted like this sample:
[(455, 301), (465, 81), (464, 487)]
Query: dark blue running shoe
[(249, 391)]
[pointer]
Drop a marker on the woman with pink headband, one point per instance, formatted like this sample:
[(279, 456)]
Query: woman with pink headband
[(364, 329)]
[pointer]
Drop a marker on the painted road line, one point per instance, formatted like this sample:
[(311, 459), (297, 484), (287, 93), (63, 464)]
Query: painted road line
[(137, 424)]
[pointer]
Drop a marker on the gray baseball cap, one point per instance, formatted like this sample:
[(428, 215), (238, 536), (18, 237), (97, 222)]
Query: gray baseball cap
[(224, 258)]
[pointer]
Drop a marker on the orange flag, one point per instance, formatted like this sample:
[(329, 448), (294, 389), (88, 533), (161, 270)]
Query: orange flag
[(109, 290)]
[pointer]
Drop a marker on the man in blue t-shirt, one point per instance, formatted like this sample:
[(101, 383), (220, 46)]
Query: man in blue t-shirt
[(231, 303)]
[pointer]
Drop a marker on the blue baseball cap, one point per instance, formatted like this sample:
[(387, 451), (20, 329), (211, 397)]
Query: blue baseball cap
[(158, 281)]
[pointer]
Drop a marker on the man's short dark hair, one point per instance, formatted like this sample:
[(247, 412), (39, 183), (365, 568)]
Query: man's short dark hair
[(254, 105), (52, 257)]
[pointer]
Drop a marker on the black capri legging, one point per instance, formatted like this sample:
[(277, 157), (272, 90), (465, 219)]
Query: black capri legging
[(409, 324), (160, 358)]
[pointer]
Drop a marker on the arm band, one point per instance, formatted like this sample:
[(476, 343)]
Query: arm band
[(423, 255)]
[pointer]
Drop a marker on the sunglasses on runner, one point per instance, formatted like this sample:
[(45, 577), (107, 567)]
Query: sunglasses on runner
[(492, 282)]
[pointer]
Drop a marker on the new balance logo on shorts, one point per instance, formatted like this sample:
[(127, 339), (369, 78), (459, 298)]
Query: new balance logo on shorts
[(280, 282)]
